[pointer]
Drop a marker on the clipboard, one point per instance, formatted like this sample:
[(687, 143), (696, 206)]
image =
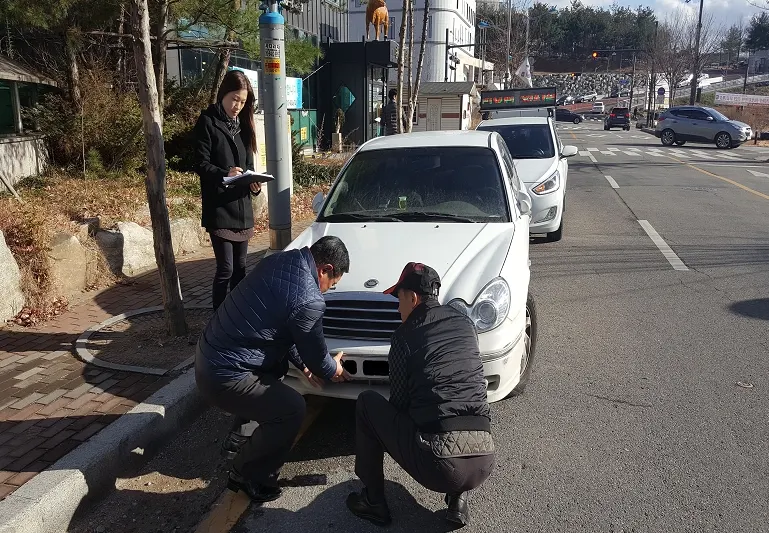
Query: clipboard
[(247, 178)]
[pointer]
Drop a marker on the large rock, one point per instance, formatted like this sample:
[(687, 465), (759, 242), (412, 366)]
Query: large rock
[(185, 235), (69, 264), (11, 297), (129, 250), (259, 203)]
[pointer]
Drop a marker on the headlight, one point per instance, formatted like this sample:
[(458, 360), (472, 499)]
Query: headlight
[(490, 307), (549, 185)]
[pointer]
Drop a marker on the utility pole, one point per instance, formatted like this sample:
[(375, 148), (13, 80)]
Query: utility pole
[(697, 59), (446, 61), (528, 16), (509, 27), (632, 83), (273, 94), (747, 70)]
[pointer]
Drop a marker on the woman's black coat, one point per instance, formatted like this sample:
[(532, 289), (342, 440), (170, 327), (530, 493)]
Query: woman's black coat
[(216, 151)]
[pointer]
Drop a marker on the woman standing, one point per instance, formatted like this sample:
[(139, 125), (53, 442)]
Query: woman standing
[(225, 140)]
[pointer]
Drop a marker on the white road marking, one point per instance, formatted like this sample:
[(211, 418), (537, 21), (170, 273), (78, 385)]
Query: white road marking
[(593, 150), (700, 154), (612, 182), (758, 174), (669, 254), (614, 149), (636, 154), (679, 153), (607, 153)]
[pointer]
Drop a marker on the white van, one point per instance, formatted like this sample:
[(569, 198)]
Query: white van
[(598, 107)]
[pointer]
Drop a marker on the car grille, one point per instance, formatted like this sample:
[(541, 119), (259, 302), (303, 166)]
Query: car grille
[(361, 317)]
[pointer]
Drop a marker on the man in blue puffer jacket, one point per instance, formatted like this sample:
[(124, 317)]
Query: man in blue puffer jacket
[(273, 316)]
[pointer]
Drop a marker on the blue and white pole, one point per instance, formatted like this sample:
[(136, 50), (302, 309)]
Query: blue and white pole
[(273, 97)]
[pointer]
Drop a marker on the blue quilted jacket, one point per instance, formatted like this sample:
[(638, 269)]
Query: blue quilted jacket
[(275, 314)]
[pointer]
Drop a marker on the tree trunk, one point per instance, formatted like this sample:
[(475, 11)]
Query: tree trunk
[(401, 46), (73, 72), (420, 62), (161, 48), (223, 61), (156, 171), (410, 69), (121, 54)]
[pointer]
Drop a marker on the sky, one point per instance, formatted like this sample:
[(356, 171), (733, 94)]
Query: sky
[(726, 11)]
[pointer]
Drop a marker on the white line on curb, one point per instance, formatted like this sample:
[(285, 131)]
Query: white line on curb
[(669, 254), (612, 182)]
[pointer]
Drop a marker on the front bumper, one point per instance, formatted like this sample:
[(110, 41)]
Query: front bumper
[(501, 353), (540, 209)]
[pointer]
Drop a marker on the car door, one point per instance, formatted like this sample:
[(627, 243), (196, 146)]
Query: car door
[(681, 124), (701, 125)]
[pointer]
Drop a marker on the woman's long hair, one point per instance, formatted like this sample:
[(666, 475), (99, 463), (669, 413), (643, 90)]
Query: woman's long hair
[(235, 80)]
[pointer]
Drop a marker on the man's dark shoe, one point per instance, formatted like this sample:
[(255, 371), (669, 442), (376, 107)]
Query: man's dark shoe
[(378, 513), (232, 445), (258, 493), (458, 511)]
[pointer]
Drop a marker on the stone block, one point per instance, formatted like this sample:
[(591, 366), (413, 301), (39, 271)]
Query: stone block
[(11, 297)]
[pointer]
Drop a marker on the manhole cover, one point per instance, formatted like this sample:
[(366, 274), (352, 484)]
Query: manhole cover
[(141, 340)]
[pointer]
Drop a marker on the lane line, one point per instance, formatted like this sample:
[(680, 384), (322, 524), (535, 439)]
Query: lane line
[(230, 506), (727, 180), (573, 136), (612, 182), (593, 150), (592, 157), (669, 254)]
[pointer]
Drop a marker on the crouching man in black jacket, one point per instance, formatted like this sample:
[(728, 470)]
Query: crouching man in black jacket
[(436, 425)]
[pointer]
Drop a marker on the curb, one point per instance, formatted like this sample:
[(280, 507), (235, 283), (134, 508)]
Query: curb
[(49, 501)]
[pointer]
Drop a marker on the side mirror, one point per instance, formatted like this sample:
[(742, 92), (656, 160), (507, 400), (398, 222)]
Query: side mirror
[(710, 119), (569, 151), (525, 201), (317, 202)]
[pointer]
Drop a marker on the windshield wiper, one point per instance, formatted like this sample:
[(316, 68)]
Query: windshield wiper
[(358, 217), (417, 215)]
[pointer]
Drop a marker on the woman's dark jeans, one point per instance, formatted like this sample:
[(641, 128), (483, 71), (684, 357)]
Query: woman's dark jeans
[(230, 266)]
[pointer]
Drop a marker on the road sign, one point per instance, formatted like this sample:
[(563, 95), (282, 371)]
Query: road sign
[(661, 91)]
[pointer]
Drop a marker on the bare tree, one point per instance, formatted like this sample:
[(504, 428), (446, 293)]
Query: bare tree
[(161, 47), (156, 170), (401, 51), (414, 94), (673, 58)]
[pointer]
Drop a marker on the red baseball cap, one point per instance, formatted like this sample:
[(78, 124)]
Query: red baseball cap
[(419, 278)]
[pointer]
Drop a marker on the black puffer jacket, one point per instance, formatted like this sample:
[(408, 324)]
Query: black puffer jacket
[(436, 372), (216, 150)]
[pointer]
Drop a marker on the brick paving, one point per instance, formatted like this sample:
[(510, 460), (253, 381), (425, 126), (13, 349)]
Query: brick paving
[(51, 401)]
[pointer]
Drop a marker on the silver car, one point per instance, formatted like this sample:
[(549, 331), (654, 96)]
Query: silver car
[(678, 125)]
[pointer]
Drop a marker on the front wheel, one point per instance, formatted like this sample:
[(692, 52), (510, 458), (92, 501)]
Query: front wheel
[(723, 140), (577, 121), (668, 138), (529, 346), (556, 235)]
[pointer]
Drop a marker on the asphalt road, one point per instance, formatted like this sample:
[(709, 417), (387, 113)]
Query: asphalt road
[(648, 406)]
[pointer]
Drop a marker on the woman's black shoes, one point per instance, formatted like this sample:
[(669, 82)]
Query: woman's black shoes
[(257, 493), (378, 513)]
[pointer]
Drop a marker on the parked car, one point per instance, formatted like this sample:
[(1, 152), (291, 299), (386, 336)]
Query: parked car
[(542, 163), (618, 118), (564, 115), (565, 100), (598, 107), (452, 200), (679, 125), (589, 97)]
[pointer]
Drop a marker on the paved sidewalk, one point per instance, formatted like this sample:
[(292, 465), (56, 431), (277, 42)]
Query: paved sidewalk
[(51, 401)]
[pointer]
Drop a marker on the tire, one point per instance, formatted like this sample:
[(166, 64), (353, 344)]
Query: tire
[(577, 121), (723, 140), (557, 235), (680, 143), (530, 343), (606, 128), (668, 137)]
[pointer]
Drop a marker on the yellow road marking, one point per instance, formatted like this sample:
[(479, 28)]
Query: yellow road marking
[(573, 136), (231, 505), (727, 180)]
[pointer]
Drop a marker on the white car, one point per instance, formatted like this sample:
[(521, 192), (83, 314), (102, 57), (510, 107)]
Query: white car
[(598, 107), (451, 200), (541, 162)]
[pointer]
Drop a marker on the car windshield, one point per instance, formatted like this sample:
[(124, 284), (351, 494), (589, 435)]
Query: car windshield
[(526, 141), (452, 184)]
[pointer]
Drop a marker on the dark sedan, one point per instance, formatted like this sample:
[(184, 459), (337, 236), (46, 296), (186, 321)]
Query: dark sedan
[(564, 115)]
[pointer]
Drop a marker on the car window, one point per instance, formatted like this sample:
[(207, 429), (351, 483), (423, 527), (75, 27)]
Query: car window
[(515, 181), (414, 184), (681, 113), (717, 114), (526, 141), (697, 114)]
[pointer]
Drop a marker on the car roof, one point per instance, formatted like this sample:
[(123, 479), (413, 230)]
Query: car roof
[(509, 121), (456, 138)]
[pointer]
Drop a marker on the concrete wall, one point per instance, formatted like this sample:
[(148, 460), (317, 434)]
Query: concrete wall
[(21, 156)]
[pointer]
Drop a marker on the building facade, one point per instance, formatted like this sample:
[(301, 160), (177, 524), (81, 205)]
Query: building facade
[(455, 16)]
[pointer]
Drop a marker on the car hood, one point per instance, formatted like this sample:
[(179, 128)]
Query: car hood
[(466, 256), (533, 170), (740, 125)]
